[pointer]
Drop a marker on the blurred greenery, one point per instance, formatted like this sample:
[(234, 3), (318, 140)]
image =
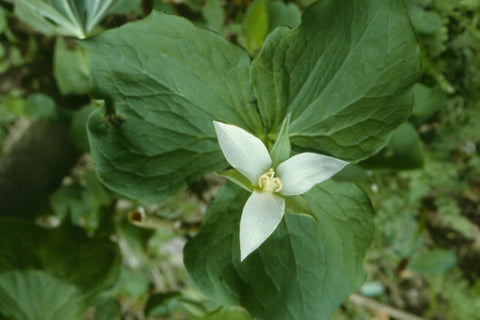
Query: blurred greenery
[(70, 67), (424, 185)]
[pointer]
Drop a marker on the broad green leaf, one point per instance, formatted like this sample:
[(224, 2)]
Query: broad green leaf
[(91, 264), (311, 267), (344, 75), (167, 84), (37, 295), (75, 18)]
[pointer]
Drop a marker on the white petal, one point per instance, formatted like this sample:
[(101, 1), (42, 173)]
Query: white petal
[(243, 151), (261, 215), (303, 171)]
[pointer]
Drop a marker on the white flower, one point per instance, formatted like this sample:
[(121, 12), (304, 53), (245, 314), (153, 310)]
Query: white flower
[(264, 209)]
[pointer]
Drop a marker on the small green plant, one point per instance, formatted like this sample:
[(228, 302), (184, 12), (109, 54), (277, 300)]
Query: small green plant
[(173, 102), (344, 77)]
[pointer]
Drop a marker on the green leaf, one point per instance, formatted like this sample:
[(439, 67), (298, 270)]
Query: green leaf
[(310, 267), (3, 23), (78, 131), (427, 102), (37, 295), (426, 22), (70, 200), (15, 105), (213, 13), (168, 85), (226, 313), (344, 75), (75, 18), (306, 2), (66, 253), (256, 25), (160, 303), (435, 261), (169, 8), (70, 67), (281, 148), (133, 283), (108, 309), (128, 6), (82, 203), (39, 106), (353, 173), (169, 303), (281, 14), (404, 151)]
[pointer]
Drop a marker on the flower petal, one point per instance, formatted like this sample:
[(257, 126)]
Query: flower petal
[(243, 151), (261, 215), (303, 171)]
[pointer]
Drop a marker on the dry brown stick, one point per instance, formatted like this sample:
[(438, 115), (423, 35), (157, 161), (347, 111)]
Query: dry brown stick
[(140, 218), (377, 306)]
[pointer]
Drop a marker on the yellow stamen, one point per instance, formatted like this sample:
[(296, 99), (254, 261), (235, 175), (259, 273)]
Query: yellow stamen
[(269, 183)]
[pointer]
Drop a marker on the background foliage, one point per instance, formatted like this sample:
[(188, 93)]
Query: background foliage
[(424, 185)]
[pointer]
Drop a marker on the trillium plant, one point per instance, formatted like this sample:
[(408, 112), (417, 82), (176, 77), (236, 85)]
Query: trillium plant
[(182, 102), (269, 185)]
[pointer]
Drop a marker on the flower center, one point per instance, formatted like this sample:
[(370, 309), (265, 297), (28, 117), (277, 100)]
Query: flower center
[(269, 183)]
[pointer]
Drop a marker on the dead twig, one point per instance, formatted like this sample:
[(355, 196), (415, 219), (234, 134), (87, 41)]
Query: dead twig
[(383, 308)]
